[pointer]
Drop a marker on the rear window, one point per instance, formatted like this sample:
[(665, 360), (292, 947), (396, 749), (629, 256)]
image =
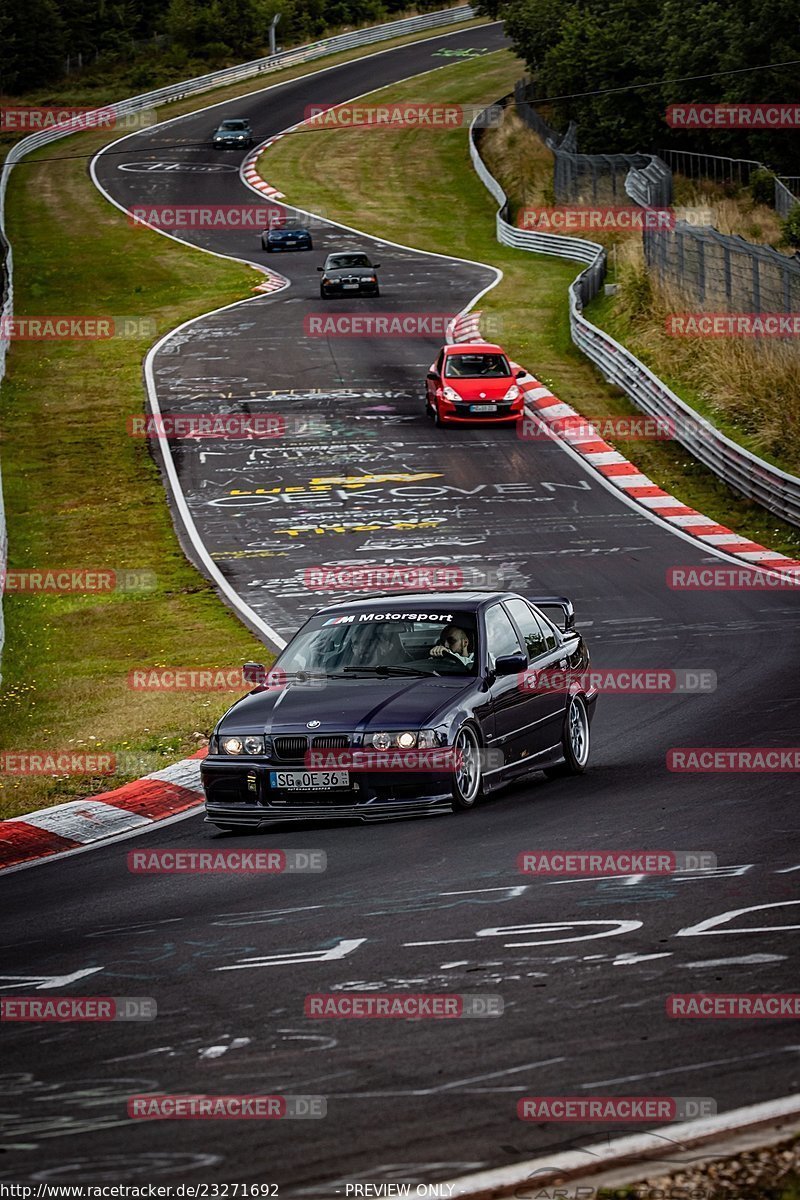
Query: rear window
[(476, 366)]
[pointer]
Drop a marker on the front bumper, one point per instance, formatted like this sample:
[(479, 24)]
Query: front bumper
[(457, 414), (299, 244), (230, 800), (338, 289)]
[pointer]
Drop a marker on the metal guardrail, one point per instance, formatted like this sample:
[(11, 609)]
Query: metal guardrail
[(179, 91), (776, 490)]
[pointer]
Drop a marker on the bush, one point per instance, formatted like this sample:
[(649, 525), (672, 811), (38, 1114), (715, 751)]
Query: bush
[(791, 226), (762, 186)]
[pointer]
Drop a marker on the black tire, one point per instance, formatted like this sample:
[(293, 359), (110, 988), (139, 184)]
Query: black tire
[(575, 741), (323, 293), (268, 248), (437, 418), (377, 291), (310, 245), (467, 785)]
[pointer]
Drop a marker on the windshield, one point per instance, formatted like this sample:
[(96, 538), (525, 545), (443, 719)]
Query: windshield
[(335, 262), (288, 223), (234, 126), (384, 642), (476, 366)]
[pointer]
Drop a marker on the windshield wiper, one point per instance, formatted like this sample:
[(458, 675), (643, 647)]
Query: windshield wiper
[(387, 669)]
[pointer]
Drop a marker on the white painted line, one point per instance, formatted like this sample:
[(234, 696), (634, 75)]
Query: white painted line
[(640, 1147)]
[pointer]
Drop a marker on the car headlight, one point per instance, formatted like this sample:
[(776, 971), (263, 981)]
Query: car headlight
[(249, 743), (451, 395), (513, 393), (407, 739)]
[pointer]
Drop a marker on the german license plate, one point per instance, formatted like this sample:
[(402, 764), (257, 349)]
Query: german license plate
[(353, 286), (309, 781), (483, 408)]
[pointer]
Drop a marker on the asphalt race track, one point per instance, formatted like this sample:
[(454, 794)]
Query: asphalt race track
[(584, 966)]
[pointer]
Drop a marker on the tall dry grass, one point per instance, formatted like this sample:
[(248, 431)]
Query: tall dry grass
[(753, 384)]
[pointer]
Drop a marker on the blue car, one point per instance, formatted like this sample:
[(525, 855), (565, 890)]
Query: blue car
[(287, 234), (405, 703)]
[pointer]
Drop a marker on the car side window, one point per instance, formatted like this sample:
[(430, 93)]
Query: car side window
[(551, 638), (533, 634), (501, 636)]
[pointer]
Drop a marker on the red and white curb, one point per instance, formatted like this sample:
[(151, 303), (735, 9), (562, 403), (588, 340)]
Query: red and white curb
[(249, 171), (68, 827), (563, 422), (639, 1148)]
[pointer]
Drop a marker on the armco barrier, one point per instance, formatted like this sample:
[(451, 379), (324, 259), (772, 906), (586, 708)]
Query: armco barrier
[(776, 490), (179, 91)]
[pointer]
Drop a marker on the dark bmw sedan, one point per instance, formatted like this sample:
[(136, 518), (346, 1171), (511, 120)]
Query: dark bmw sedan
[(287, 233), (394, 704), (349, 274)]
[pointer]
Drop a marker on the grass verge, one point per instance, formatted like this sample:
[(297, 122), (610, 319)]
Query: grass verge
[(448, 211)]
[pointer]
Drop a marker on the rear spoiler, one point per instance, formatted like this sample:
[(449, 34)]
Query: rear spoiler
[(557, 602)]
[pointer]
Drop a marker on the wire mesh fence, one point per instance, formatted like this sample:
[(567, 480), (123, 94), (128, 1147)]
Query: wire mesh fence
[(721, 273), (711, 270)]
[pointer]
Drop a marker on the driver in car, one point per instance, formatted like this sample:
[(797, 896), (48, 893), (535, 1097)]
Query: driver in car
[(454, 641)]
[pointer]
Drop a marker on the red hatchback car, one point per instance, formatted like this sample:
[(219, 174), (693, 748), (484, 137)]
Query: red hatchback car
[(473, 382)]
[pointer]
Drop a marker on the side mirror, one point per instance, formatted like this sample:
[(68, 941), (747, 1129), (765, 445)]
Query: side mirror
[(510, 664), (432, 375), (375, 266), (320, 268), (254, 673), (520, 371)]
